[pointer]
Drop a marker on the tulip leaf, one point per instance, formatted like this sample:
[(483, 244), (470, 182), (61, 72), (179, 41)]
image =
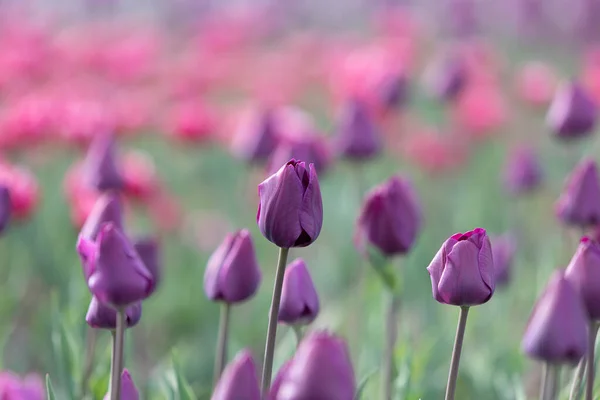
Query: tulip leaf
[(49, 389), (183, 389), (363, 383)]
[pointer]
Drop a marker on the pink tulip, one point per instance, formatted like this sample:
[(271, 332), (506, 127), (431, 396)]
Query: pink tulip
[(139, 174), (434, 152), (536, 83), (190, 122), (23, 188), (480, 110), (12, 387)]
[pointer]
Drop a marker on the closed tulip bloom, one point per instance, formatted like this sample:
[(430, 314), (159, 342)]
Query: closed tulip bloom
[(118, 276), (557, 329), (4, 207), (103, 316), (579, 203), (299, 299), (584, 274), (357, 136), (232, 274), (256, 137), (106, 209), (390, 218), (462, 271), (239, 380), (503, 251), (321, 369), (290, 213), (102, 172), (572, 113), (149, 251), (128, 389), (522, 172), (310, 148)]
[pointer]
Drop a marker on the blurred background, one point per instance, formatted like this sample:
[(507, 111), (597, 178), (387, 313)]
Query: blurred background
[(176, 81)]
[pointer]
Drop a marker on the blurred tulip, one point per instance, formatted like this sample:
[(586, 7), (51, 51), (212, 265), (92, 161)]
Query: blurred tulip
[(239, 380), (290, 212), (461, 17), (522, 171), (462, 272), (446, 77), (5, 207), (311, 148), (14, 388), (572, 113), (128, 389), (165, 210), (107, 209), (583, 273), (536, 83), (392, 91), (101, 168), (557, 328), (256, 136), (299, 299), (279, 378), (320, 369), (149, 251), (357, 137), (503, 250), (579, 202), (232, 274), (103, 316), (434, 152), (390, 218), (191, 122), (480, 110), (23, 190), (139, 175)]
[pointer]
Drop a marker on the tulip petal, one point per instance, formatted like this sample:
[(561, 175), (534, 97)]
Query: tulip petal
[(311, 212), (213, 267), (239, 277), (436, 268)]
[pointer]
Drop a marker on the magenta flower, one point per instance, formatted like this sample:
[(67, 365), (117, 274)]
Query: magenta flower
[(239, 380), (462, 272), (13, 387), (579, 203), (503, 250), (522, 172), (357, 137), (583, 273), (446, 77), (103, 316), (5, 207), (290, 213), (299, 299), (279, 378), (149, 251), (572, 113), (128, 389), (101, 170), (256, 136)]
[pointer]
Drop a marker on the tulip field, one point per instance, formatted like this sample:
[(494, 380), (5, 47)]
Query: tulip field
[(375, 200)]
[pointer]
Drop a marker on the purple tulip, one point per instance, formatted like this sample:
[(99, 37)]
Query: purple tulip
[(256, 137), (392, 91), (128, 389), (446, 77), (106, 209), (390, 218), (557, 329), (102, 172), (299, 299), (522, 172), (118, 275), (103, 316), (149, 251), (357, 136), (232, 274), (279, 378), (503, 251), (5, 207), (579, 203), (572, 113), (321, 369), (290, 213), (239, 380), (310, 148), (583, 273), (12, 387), (462, 271)]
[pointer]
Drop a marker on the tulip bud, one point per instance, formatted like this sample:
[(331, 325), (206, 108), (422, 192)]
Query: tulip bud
[(118, 275), (522, 172), (579, 203), (4, 207), (290, 213), (239, 380), (256, 137), (503, 250), (128, 389), (572, 113), (446, 78), (392, 91), (321, 369), (583, 273), (462, 271), (310, 148), (102, 172), (357, 136), (279, 378), (149, 252), (232, 274), (106, 209), (557, 329), (103, 316), (390, 218), (299, 299)]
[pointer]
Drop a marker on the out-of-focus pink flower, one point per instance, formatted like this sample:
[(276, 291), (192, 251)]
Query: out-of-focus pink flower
[(23, 188), (536, 83), (165, 210), (191, 122), (590, 76), (434, 152), (139, 174), (81, 197), (480, 110), (395, 21), (133, 112), (12, 387), (131, 56), (82, 119)]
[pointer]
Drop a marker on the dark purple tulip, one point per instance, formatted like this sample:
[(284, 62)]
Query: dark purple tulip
[(522, 172), (128, 389), (311, 148), (446, 77), (579, 203), (103, 316), (572, 113), (584, 274), (5, 207), (357, 136), (290, 213), (106, 209), (557, 329), (279, 378), (149, 251), (462, 271), (321, 369), (392, 91), (118, 276), (299, 299), (390, 218), (503, 250), (256, 136), (101, 170), (232, 274), (239, 380)]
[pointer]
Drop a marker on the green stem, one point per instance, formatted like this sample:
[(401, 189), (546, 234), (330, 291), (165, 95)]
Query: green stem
[(458, 343), (222, 339), (272, 327), (577, 379), (589, 387), (117, 360), (391, 335), (550, 382)]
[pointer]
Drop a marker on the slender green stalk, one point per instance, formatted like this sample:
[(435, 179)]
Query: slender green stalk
[(458, 343), (577, 379), (550, 382), (298, 332), (222, 340), (89, 360), (589, 386), (391, 334), (272, 327), (117, 360)]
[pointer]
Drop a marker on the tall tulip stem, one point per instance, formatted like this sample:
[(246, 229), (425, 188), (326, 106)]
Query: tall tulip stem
[(589, 383), (222, 340), (391, 334), (272, 327), (458, 343), (577, 379), (117, 357), (550, 382)]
